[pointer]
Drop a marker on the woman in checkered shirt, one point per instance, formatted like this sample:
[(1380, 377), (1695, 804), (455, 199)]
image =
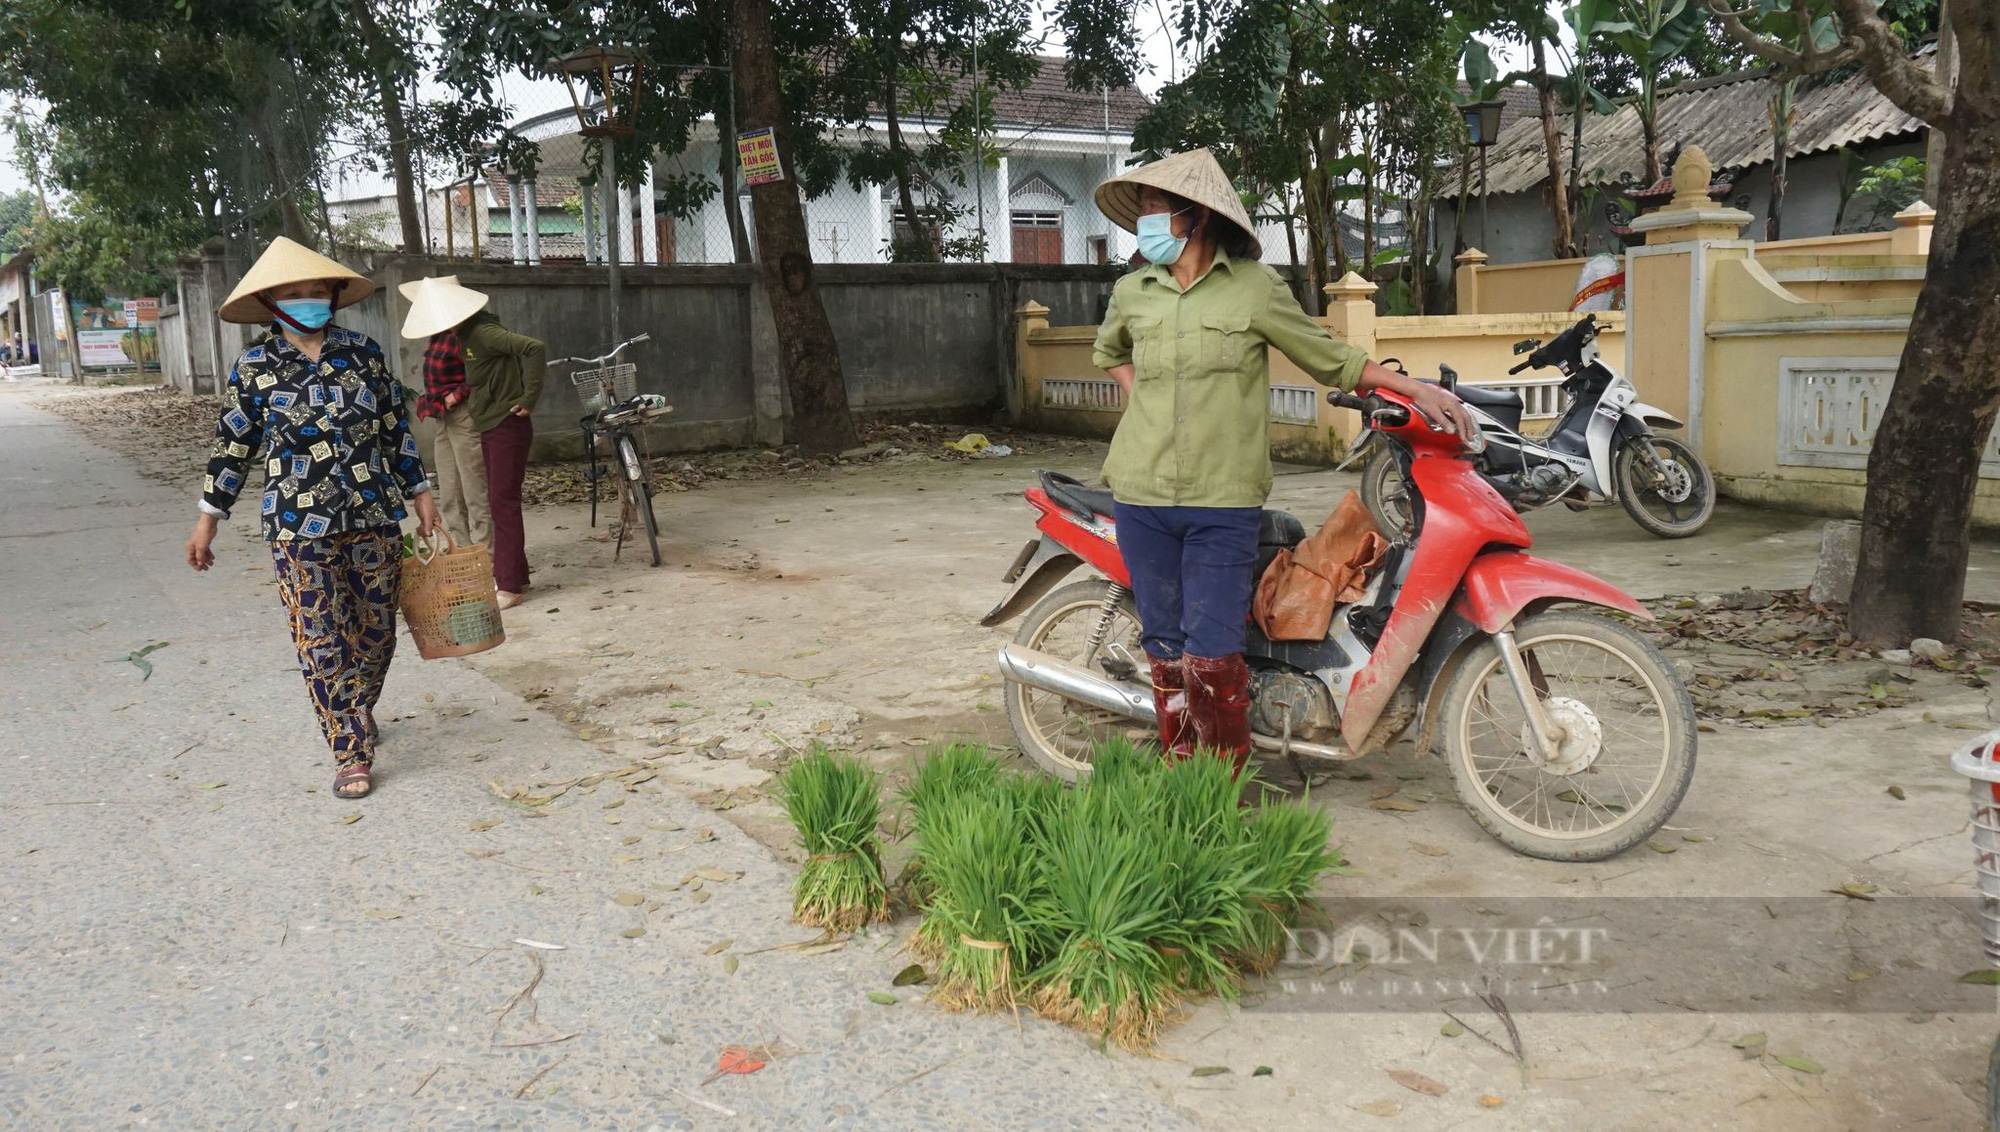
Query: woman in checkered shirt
[(317, 407)]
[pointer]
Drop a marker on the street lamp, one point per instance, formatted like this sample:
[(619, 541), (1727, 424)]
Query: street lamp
[(610, 75), (1482, 125)]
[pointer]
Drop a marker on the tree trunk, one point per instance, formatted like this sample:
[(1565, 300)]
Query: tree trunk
[(395, 123), (1579, 230), (1947, 75), (1564, 244), (810, 357), (1910, 580), (725, 168), (1781, 141), (927, 240)]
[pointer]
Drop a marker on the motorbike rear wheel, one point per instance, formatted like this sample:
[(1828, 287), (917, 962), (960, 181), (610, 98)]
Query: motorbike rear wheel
[(1627, 755), (1674, 504), (1059, 735), (1386, 494)]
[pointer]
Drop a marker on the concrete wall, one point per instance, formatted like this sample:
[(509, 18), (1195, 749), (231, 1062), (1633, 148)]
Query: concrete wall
[(930, 338)]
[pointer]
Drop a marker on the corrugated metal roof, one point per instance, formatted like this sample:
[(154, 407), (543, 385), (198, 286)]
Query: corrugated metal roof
[(1729, 117)]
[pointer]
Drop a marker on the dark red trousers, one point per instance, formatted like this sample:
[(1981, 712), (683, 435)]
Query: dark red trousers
[(505, 447)]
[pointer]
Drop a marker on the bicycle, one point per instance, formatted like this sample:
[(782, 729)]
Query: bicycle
[(608, 389)]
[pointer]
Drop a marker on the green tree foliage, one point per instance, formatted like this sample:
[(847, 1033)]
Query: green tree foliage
[(17, 215)]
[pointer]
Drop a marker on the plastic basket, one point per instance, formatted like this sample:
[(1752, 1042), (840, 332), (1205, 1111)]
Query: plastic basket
[(605, 386), (449, 600), (1977, 762)]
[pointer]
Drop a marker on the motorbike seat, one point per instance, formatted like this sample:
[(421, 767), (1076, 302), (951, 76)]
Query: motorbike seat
[(1276, 530), (1486, 397), (1071, 493)]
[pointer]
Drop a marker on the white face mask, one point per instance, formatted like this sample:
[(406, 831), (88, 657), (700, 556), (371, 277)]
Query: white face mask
[(1157, 242)]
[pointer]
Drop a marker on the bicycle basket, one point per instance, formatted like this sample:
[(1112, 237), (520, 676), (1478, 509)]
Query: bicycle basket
[(605, 386)]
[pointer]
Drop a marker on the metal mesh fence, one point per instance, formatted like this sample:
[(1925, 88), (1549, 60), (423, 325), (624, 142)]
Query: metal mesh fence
[(1031, 204)]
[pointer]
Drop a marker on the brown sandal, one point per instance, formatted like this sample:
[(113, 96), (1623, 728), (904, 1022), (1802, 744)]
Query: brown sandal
[(351, 775)]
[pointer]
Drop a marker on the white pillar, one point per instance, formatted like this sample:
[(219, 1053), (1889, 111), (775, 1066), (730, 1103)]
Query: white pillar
[(587, 236), (529, 204), (649, 221), (1000, 231), (516, 248), (878, 225)]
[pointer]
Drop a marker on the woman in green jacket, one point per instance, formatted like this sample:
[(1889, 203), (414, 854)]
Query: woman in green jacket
[(503, 376), (1188, 338)]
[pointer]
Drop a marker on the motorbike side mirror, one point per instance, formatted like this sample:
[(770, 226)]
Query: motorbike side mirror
[(1447, 377), (1526, 344)]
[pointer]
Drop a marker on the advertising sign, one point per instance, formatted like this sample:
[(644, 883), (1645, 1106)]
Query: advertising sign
[(757, 153)]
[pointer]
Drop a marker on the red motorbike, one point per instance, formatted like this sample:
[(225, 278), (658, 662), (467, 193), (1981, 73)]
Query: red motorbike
[(1569, 737)]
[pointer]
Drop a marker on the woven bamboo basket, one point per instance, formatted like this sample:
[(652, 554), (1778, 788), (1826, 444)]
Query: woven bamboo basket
[(449, 599)]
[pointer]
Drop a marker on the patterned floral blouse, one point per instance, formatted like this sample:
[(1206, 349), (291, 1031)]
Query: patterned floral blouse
[(337, 448)]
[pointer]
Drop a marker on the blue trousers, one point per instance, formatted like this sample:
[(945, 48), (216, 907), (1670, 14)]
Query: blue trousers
[(1194, 570)]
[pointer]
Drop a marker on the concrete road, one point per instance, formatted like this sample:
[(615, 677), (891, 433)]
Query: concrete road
[(195, 934)]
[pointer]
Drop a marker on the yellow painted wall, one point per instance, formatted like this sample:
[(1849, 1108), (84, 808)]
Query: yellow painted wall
[(1658, 287), (1524, 288)]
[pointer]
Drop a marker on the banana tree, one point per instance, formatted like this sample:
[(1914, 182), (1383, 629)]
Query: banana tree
[(1799, 25), (1584, 19), (1650, 33)]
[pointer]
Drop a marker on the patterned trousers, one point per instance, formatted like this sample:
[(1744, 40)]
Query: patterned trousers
[(341, 593)]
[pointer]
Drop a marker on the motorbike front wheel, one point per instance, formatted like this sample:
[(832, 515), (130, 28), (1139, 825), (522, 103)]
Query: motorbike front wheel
[(1626, 750), (1673, 499), (1059, 735), (1386, 494)]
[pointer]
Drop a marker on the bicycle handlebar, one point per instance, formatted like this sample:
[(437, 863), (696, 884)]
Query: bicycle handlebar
[(603, 359)]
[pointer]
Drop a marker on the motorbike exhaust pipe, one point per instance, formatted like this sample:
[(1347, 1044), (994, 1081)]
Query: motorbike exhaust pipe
[(1038, 669)]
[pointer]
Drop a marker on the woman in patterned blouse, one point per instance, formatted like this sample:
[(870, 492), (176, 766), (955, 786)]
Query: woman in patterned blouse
[(317, 407)]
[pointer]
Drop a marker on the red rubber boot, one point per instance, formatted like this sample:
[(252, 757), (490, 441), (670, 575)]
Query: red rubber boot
[(1218, 692), (1170, 705)]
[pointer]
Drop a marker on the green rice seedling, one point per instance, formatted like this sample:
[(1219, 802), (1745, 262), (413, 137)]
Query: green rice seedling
[(1204, 887), (1119, 760), (833, 803), (986, 876), (1106, 903), (1199, 796), (947, 772), (1287, 851), (1040, 799)]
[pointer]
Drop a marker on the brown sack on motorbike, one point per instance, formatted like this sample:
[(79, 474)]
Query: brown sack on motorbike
[(1299, 590)]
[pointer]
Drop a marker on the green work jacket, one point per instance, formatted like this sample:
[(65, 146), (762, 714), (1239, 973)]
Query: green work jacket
[(1196, 429), (503, 370)]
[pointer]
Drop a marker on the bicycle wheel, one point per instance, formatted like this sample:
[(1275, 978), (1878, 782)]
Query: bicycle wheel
[(639, 492)]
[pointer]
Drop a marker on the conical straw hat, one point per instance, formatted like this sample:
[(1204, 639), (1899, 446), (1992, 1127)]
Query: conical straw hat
[(287, 261), (438, 304), (1194, 175)]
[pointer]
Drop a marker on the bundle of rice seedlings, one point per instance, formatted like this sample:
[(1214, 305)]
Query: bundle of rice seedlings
[(1199, 796), (953, 771), (985, 876), (1105, 903), (1287, 850), (833, 804), (1204, 857), (1119, 760), (949, 772)]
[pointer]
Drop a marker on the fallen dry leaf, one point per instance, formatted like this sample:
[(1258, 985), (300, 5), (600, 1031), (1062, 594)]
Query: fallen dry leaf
[(718, 947), (1380, 1108), (1417, 1082), (1398, 804)]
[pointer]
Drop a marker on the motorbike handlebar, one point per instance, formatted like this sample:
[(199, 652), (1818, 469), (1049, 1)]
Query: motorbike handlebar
[(1529, 364), (1370, 408)]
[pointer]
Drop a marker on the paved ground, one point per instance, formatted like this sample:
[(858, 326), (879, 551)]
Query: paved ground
[(195, 936), (842, 607)]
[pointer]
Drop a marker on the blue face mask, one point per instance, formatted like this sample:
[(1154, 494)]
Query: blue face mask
[(1157, 241), (309, 313)]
